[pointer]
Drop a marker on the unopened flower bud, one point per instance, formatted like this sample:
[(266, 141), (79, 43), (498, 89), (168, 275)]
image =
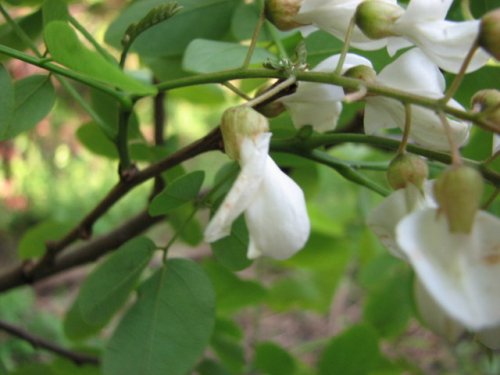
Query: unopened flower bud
[(487, 102), (238, 123), (489, 33), (375, 18), (407, 169), (281, 13), (361, 72), (271, 109), (458, 191)]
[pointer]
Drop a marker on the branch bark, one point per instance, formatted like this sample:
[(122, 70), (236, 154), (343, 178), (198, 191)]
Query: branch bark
[(38, 342)]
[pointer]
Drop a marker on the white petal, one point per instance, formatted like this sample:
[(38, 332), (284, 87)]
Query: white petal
[(413, 72), (461, 272), (434, 317), (333, 17), (384, 218), (446, 43), (427, 10), (319, 104), (277, 219), (254, 154)]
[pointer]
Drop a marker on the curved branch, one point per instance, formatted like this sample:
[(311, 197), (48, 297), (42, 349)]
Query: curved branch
[(39, 342)]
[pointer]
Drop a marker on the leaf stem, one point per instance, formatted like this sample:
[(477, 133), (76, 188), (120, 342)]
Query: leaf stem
[(255, 37), (345, 47), (406, 131), (271, 92), (77, 25)]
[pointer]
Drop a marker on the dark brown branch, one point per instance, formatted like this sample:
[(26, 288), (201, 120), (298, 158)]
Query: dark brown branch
[(80, 254), (160, 121), (38, 342), (83, 230)]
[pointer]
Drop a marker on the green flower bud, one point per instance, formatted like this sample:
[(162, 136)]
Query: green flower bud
[(405, 169), (362, 72), (238, 123), (375, 18), (281, 13), (271, 109), (487, 102), (489, 33), (458, 192)]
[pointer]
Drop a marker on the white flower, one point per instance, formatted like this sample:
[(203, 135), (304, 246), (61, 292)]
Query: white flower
[(273, 204), (434, 316), (334, 16), (460, 271), (319, 104), (446, 43), (384, 219), (415, 73)]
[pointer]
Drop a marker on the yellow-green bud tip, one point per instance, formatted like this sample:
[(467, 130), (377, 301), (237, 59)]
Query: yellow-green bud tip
[(238, 123), (375, 18), (407, 169), (281, 13), (458, 192), (487, 102), (489, 33), (361, 72)]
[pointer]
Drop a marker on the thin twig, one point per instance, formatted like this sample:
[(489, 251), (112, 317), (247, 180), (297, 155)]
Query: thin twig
[(38, 342)]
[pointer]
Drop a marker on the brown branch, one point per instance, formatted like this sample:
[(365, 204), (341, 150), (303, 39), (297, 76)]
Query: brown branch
[(83, 253), (38, 342), (83, 230), (160, 121)]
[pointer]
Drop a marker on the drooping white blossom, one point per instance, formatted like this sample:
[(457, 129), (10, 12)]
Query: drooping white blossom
[(319, 104), (384, 219), (446, 43), (461, 272), (415, 73), (273, 204), (334, 16)]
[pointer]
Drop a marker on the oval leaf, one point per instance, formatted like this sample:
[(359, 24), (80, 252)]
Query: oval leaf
[(107, 288), (65, 48), (169, 326), (182, 190), (206, 56), (32, 244), (6, 100)]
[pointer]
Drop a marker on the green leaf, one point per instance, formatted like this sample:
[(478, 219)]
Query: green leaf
[(30, 24), (54, 10), (92, 137), (211, 17), (210, 367), (7, 100), (66, 367), (65, 48), (207, 56), (389, 307), (34, 98), (181, 191), (231, 251), (226, 342), (168, 328), (353, 352), (32, 244), (272, 359), (33, 369), (182, 221), (75, 327), (107, 288), (245, 19), (232, 292)]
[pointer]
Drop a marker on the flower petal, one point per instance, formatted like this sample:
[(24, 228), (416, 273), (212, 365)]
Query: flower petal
[(461, 272), (446, 43), (334, 17), (254, 154), (277, 219), (384, 218), (427, 10)]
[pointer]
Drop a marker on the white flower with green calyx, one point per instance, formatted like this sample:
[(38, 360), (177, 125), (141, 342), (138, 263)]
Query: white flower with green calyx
[(455, 251), (415, 73), (319, 104), (334, 16), (423, 24), (407, 174), (273, 204)]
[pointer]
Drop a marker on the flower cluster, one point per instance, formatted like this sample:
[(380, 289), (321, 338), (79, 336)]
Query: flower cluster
[(437, 227)]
